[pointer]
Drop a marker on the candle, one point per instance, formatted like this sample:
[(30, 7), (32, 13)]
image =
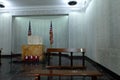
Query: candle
[(26, 57), (81, 49), (31, 57)]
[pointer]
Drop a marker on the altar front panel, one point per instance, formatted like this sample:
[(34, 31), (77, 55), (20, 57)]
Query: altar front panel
[(33, 50)]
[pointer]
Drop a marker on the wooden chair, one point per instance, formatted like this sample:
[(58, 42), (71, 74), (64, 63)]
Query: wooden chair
[(70, 51)]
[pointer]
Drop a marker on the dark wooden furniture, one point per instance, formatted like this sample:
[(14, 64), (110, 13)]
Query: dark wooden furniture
[(70, 51), (0, 56), (38, 73)]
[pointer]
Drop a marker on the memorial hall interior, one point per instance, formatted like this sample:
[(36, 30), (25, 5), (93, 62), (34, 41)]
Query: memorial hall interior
[(28, 28)]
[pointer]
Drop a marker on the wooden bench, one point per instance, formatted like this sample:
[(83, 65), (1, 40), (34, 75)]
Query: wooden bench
[(70, 51), (38, 73)]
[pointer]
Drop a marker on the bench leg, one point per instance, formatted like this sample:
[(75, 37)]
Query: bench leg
[(94, 77)]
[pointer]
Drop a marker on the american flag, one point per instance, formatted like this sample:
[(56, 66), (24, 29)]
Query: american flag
[(29, 29), (51, 34)]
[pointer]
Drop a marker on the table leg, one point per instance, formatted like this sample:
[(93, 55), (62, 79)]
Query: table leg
[(59, 58), (48, 56), (71, 59), (83, 61)]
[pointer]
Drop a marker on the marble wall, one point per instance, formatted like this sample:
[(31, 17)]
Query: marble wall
[(5, 32), (77, 32), (114, 36), (102, 20)]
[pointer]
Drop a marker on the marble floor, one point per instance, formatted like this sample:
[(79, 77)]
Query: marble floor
[(13, 70)]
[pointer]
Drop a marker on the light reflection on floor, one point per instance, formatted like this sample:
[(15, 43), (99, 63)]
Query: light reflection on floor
[(15, 71)]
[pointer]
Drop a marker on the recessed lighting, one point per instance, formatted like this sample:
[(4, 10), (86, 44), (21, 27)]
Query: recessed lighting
[(2, 6), (71, 3)]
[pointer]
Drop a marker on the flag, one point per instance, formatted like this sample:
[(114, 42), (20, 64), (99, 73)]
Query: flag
[(51, 34), (29, 29)]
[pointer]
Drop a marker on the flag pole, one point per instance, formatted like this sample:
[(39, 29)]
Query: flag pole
[(29, 29), (51, 35), (50, 45)]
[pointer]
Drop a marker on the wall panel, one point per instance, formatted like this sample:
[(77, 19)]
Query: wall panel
[(5, 33), (77, 32), (102, 21)]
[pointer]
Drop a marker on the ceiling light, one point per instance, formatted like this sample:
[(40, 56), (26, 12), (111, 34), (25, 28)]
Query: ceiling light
[(71, 3), (1, 5)]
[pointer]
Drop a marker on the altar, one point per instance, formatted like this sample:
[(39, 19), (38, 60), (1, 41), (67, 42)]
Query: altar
[(34, 50)]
